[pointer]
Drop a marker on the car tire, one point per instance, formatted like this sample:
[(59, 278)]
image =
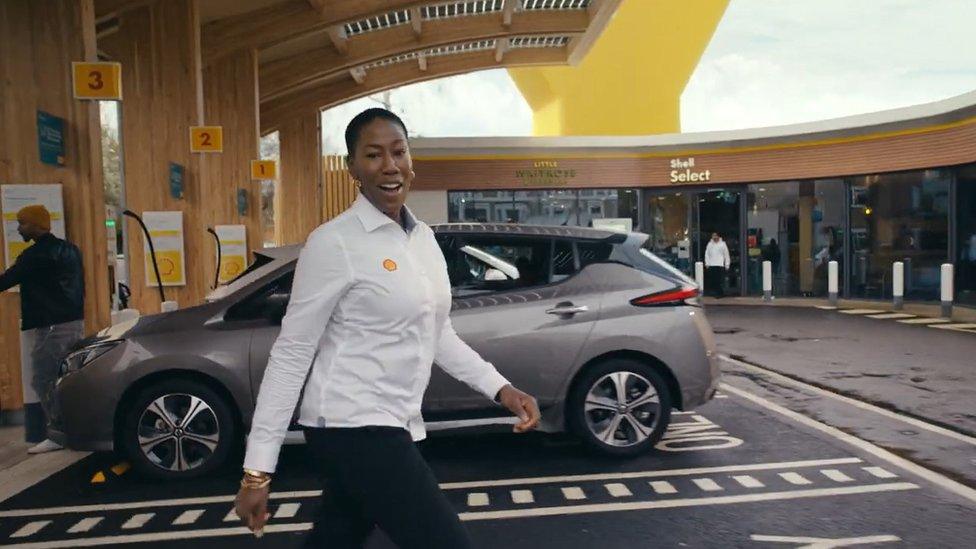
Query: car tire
[(593, 406), (178, 446)]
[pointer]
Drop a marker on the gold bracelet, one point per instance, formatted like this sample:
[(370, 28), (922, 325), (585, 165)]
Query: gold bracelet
[(246, 482)]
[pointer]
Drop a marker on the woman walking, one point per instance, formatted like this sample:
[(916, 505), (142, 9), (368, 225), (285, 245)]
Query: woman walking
[(368, 315)]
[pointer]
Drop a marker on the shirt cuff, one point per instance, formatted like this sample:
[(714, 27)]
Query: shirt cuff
[(261, 457), (492, 384)]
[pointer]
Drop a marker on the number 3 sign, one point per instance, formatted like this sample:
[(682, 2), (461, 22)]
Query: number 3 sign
[(206, 139), (97, 80)]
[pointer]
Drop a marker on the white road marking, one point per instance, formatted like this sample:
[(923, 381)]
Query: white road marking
[(748, 481), (463, 423), (30, 529), (573, 492), (880, 472), (959, 327), (137, 521), (795, 478), (161, 536), (522, 496), (707, 484), (618, 490), (853, 402), (891, 316), (685, 502), (101, 508), (902, 463), (84, 525), (663, 487), (232, 516), (287, 510), (860, 311), (925, 320), (836, 476), (478, 499), (825, 543), (827, 307), (188, 517)]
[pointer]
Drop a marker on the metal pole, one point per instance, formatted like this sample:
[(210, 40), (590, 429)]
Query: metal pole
[(832, 282), (767, 273), (700, 276), (898, 284), (947, 290)]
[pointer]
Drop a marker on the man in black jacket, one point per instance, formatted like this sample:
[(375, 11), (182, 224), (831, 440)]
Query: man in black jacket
[(52, 293)]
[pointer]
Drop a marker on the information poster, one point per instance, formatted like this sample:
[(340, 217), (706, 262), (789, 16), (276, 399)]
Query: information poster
[(15, 197), (233, 251), (166, 230), (50, 139)]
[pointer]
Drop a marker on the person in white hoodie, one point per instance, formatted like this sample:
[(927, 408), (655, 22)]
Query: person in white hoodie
[(717, 260)]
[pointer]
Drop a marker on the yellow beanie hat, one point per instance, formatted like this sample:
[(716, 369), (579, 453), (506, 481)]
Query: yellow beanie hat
[(36, 214)]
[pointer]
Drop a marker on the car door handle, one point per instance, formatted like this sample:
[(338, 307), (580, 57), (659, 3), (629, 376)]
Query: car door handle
[(570, 310)]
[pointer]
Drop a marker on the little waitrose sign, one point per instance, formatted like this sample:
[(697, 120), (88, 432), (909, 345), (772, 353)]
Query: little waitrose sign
[(546, 173), (682, 171)]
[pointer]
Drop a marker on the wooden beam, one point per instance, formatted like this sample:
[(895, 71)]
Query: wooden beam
[(508, 10), (337, 34), (416, 21), (319, 5), (599, 12), (501, 46), (277, 23), (333, 93), (280, 76), (107, 9), (358, 74)]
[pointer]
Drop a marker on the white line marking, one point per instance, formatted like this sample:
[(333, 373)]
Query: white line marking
[(836, 476), (232, 515), (931, 476), (880, 472), (860, 311), (685, 413), (686, 502), (795, 478), (287, 510), (463, 423), (748, 481), (854, 402), (522, 496), (84, 525), (444, 486), (707, 484), (162, 536), (825, 543), (827, 307), (924, 320), (30, 529), (478, 499), (663, 487), (573, 492), (137, 521), (618, 490), (891, 316), (961, 327), (188, 517)]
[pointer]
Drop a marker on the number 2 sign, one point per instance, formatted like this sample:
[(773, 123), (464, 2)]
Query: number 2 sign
[(97, 80), (206, 139)]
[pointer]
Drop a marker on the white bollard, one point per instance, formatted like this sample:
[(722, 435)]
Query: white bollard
[(947, 272), (898, 284), (832, 282), (169, 306), (767, 280), (700, 276)]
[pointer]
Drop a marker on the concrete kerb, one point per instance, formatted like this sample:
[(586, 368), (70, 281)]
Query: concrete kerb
[(932, 310)]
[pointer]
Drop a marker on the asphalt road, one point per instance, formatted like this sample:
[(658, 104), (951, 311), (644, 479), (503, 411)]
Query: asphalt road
[(735, 473)]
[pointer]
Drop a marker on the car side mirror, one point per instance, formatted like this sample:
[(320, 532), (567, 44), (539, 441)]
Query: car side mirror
[(275, 306)]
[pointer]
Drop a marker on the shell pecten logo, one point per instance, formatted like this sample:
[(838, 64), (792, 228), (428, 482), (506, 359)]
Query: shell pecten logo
[(389, 265)]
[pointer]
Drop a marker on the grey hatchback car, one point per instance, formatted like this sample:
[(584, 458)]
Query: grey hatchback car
[(605, 335)]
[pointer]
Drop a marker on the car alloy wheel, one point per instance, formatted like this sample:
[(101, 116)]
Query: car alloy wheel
[(178, 432), (622, 409)]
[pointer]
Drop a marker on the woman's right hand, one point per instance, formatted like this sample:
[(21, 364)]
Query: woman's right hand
[(252, 506)]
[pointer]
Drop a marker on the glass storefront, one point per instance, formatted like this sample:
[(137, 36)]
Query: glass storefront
[(558, 207), (899, 217), (966, 234)]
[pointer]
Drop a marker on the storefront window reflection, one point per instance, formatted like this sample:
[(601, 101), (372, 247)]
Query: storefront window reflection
[(899, 217), (966, 234), (560, 207)]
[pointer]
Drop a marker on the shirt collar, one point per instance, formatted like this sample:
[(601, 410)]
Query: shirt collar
[(372, 218)]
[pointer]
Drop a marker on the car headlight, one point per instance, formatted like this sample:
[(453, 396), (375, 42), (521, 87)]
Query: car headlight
[(82, 357)]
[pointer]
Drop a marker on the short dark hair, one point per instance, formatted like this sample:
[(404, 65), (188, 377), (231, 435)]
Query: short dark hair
[(358, 122)]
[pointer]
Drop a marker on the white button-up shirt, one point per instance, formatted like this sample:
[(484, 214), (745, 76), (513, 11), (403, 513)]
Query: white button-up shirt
[(369, 313), (717, 254)]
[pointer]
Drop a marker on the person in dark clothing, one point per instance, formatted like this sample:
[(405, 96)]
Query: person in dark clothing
[(52, 291)]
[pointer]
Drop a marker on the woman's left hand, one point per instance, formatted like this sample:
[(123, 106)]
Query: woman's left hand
[(522, 405)]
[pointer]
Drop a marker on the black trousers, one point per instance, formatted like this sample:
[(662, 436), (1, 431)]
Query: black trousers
[(713, 281), (375, 477)]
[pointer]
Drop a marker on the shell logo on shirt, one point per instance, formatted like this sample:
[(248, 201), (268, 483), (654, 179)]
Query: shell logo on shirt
[(389, 265)]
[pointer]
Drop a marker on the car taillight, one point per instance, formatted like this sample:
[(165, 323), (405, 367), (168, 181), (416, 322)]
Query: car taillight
[(667, 297)]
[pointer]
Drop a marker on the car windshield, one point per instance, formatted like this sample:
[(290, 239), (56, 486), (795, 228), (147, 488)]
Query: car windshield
[(258, 268)]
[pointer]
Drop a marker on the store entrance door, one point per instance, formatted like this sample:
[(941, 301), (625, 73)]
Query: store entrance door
[(719, 212)]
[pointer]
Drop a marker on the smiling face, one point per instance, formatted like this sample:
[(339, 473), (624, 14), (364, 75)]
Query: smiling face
[(381, 163)]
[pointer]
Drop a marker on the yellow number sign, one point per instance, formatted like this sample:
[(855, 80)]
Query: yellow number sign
[(206, 139), (97, 80), (264, 169)]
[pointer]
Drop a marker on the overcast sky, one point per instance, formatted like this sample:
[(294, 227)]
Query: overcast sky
[(770, 62)]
